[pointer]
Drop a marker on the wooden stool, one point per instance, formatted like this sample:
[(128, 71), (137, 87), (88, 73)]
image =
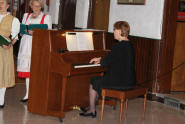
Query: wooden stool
[(124, 95)]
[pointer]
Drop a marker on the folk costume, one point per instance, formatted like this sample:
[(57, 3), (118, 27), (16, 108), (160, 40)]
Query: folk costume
[(9, 25)]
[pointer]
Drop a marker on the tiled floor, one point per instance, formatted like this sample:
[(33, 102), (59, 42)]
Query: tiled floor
[(180, 96), (15, 112)]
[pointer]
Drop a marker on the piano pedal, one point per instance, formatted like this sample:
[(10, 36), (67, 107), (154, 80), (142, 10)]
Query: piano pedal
[(75, 107)]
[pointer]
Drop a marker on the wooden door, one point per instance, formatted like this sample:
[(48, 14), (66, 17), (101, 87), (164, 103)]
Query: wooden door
[(99, 14), (178, 74), (67, 11)]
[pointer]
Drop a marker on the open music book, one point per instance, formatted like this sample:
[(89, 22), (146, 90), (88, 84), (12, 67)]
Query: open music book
[(24, 28), (4, 41), (79, 41)]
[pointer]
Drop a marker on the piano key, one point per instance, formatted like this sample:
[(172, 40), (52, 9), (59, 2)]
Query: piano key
[(86, 65)]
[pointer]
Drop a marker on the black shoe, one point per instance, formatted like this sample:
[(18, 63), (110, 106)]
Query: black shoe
[(1, 106), (92, 114), (84, 109), (23, 100)]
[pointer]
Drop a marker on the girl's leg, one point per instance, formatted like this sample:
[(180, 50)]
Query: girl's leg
[(27, 89), (2, 95)]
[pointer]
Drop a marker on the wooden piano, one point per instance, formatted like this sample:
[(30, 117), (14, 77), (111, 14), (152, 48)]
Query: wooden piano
[(57, 85)]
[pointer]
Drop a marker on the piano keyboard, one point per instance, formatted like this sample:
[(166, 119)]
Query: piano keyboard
[(86, 65)]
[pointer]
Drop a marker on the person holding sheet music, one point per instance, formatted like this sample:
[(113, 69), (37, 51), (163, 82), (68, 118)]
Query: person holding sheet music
[(9, 27), (120, 65), (24, 54)]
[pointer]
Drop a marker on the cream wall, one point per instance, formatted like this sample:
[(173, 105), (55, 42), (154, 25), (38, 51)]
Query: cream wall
[(53, 10), (145, 20)]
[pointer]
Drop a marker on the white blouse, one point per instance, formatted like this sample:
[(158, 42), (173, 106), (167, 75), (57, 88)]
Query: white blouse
[(47, 20), (15, 26)]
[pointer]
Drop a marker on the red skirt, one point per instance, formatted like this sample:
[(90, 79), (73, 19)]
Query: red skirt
[(23, 74)]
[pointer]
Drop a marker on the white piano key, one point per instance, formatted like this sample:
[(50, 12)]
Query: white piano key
[(88, 65)]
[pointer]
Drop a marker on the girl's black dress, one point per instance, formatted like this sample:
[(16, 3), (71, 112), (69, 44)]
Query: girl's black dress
[(120, 63)]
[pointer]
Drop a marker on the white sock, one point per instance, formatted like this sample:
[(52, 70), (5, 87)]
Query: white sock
[(2, 95), (27, 88)]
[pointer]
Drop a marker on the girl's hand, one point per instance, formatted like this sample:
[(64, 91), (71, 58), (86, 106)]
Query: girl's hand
[(30, 32), (7, 47)]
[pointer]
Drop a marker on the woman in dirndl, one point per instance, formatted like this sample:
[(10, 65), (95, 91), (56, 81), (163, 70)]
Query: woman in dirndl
[(9, 28), (24, 55)]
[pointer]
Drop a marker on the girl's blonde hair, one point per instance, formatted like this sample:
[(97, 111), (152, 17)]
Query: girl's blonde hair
[(40, 1)]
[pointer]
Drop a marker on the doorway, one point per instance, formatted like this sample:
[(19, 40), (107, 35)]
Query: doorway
[(99, 14)]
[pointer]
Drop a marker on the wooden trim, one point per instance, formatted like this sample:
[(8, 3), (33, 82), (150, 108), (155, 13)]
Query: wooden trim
[(178, 74), (165, 62)]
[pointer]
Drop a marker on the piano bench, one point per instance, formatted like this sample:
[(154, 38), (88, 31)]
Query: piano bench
[(124, 96)]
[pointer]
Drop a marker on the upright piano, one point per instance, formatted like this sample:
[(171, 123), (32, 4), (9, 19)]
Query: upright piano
[(57, 83)]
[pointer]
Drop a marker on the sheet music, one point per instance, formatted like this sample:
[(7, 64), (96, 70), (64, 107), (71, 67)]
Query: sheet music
[(71, 41), (79, 41)]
